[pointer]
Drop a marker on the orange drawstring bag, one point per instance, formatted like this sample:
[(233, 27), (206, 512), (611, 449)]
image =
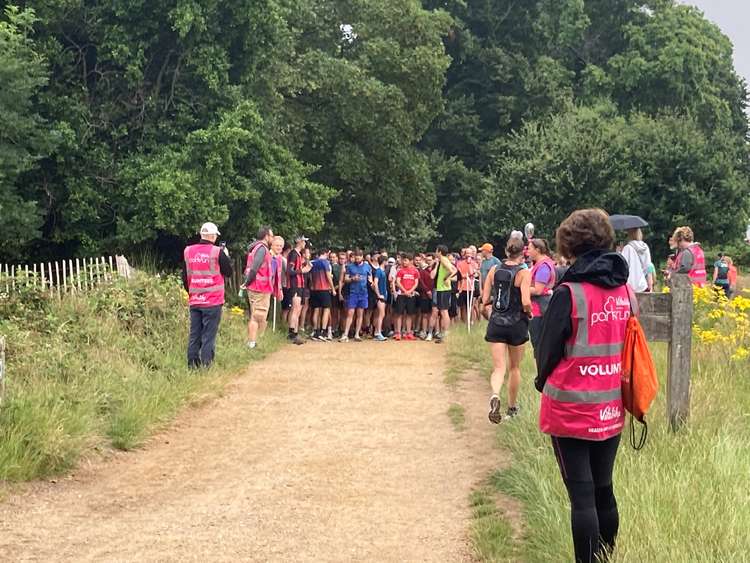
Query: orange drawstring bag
[(639, 380)]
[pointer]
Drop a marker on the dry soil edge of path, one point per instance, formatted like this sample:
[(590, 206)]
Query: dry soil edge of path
[(323, 452)]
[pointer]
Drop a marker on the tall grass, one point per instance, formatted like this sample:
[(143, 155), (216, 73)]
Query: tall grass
[(685, 497), (102, 370)]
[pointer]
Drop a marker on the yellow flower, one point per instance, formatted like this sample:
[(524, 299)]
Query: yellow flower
[(237, 311), (665, 289), (741, 353)]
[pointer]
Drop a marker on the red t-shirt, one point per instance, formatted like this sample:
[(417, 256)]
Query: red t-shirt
[(409, 278)]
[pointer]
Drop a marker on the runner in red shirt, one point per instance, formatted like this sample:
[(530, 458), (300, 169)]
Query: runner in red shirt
[(407, 283)]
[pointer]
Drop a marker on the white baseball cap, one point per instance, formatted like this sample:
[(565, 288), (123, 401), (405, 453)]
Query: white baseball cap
[(209, 229)]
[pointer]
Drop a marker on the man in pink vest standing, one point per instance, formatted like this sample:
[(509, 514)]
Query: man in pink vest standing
[(205, 266), (262, 280)]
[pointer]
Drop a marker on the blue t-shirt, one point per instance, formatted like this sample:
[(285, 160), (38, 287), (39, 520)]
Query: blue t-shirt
[(319, 275), (382, 280), (362, 270)]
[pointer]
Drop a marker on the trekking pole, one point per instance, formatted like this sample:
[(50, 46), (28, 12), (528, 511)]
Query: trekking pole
[(469, 300), (274, 314)]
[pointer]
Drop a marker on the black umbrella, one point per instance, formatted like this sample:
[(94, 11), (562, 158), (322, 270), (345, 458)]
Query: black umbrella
[(626, 222)]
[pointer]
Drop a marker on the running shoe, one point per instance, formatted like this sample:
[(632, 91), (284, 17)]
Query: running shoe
[(344, 338), (397, 337), (494, 414), (512, 413), (390, 334), (250, 345), (409, 336), (438, 338), (428, 338), (380, 338), (297, 340), (357, 338), (421, 335)]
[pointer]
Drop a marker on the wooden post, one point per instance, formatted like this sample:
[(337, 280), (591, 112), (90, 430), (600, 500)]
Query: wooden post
[(44, 279), (111, 269), (34, 276), (680, 348), (668, 317), (65, 276), (51, 287), (78, 274), (2, 368)]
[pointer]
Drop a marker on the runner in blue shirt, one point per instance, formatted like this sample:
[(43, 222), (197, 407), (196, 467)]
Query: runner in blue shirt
[(358, 276)]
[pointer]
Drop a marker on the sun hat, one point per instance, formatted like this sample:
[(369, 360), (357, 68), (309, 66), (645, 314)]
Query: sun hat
[(487, 247)]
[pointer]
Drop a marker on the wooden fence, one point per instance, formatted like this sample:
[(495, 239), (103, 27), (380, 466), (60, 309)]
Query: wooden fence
[(64, 276)]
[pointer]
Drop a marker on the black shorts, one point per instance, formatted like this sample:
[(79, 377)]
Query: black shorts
[(513, 335), (463, 297), (372, 300), (305, 293), (286, 302), (320, 299), (442, 300), (289, 294), (425, 305), (406, 305)]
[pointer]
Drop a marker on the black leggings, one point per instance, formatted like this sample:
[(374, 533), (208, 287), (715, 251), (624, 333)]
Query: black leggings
[(586, 469)]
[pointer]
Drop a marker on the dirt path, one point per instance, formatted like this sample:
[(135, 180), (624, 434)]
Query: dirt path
[(323, 452)]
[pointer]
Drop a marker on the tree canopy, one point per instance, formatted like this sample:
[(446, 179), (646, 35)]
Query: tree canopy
[(126, 124)]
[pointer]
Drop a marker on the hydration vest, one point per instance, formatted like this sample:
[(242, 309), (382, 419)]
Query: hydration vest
[(263, 282), (507, 308), (539, 303), (582, 397), (205, 282)]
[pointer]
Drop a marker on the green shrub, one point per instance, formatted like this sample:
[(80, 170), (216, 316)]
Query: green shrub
[(98, 370)]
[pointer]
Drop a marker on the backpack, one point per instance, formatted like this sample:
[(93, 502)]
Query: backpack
[(639, 381)]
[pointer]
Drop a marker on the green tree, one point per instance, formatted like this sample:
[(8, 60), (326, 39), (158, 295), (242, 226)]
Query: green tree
[(372, 75), (23, 135), (666, 169)]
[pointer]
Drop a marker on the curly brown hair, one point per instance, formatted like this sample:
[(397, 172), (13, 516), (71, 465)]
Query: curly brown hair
[(584, 230), (683, 234)]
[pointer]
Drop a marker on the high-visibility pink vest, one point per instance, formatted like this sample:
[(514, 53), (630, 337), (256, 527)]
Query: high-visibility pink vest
[(205, 282), (263, 282), (582, 398), (538, 300), (697, 272)]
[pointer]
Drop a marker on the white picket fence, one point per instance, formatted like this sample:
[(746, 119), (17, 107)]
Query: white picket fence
[(63, 277)]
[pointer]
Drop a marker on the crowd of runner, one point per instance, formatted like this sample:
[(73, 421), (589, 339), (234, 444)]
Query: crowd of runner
[(352, 294)]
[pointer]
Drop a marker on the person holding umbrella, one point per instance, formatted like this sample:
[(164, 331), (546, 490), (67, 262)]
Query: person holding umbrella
[(636, 252)]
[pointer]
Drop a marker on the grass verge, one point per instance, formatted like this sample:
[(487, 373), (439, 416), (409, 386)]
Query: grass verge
[(456, 413), (685, 497), (101, 370)]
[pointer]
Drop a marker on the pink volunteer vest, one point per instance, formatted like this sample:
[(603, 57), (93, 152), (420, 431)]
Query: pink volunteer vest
[(536, 308), (582, 398), (205, 282), (263, 282)]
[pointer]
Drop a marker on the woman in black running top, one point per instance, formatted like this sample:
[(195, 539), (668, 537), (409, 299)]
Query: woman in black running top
[(506, 291)]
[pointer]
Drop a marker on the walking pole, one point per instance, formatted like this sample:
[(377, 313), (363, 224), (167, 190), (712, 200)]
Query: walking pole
[(469, 300), (274, 313)]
